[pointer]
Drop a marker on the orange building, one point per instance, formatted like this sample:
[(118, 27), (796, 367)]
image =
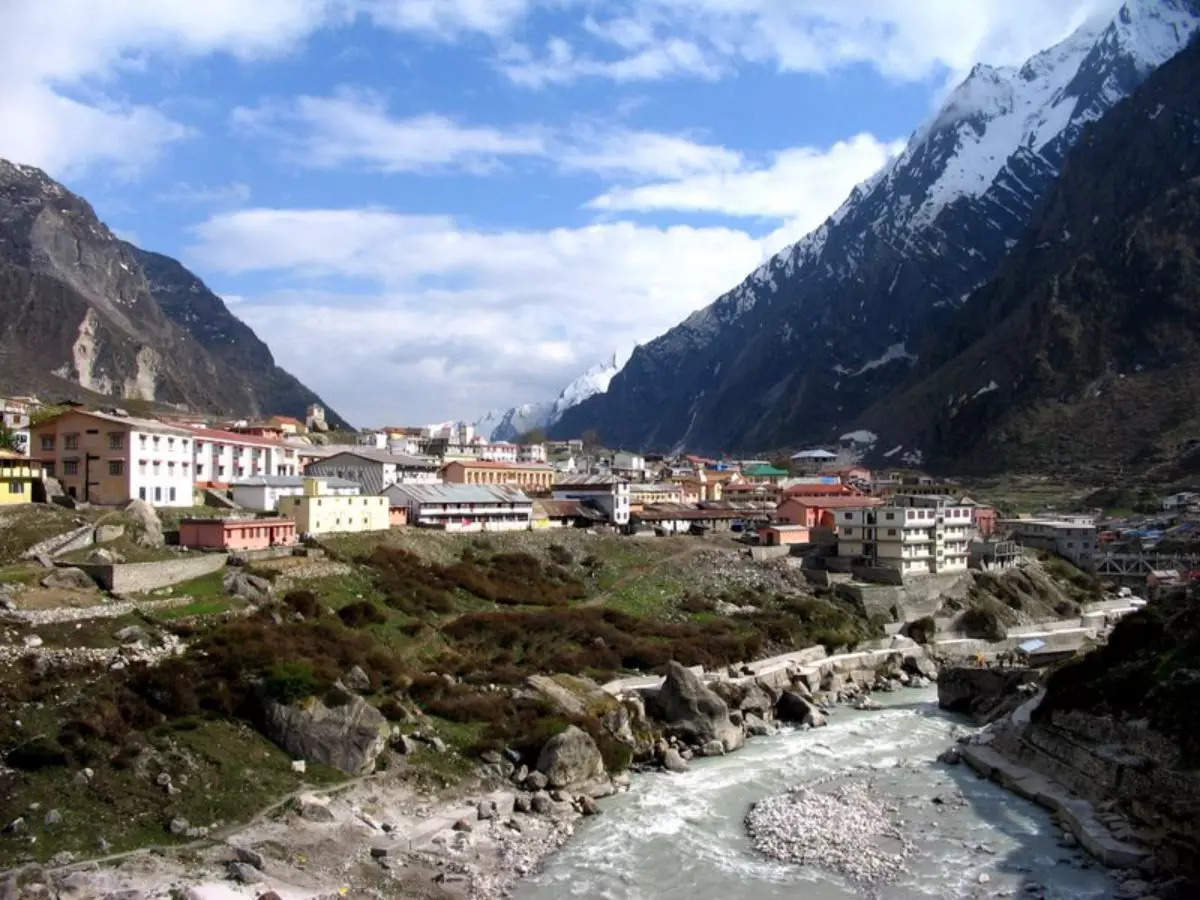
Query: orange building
[(236, 534), (531, 477), (818, 512)]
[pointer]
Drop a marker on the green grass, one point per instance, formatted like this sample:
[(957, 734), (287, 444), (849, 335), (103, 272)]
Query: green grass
[(208, 586), (196, 608), (230, 770), (23, 526)]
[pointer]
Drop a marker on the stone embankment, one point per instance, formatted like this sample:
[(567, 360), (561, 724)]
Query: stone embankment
[(1115, 788)]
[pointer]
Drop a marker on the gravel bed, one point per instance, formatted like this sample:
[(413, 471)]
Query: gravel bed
[(838, 827)]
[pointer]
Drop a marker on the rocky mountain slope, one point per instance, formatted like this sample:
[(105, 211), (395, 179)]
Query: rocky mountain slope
[(510, 424), (1084, 347), (86, 315), (812, 338)]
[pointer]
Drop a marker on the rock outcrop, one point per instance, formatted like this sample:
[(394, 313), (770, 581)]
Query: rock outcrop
[(348, 736), (984, 694), (691, 711), (150, 531), (571, 759), (69, 577)]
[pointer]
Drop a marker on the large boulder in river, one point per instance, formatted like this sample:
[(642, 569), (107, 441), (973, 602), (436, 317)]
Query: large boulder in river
[(347, 735), (985, 694), (691, 711), (794, 707), (150, 532), (746, 696), (571, 759)]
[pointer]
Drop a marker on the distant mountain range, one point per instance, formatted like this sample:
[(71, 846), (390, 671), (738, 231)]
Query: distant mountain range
[(509, 424), (87, 316), (823, 339)]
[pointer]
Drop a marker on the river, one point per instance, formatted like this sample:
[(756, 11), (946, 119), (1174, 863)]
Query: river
[(682, 836)]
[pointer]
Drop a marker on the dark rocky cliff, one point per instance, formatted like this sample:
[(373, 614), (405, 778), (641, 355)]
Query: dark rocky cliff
[(810, 340), (86, 315)]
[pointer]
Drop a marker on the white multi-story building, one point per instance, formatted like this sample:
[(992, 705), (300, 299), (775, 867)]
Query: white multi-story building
[(495, 451), (915, 535), (225, 456), (1071, 537), (111, 459), (14, 415), (611, 495), (375, 470), (532, 453), (628, 463), (262, 492)]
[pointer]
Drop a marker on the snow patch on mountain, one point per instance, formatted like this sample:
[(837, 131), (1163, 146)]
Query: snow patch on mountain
[(507, 425)]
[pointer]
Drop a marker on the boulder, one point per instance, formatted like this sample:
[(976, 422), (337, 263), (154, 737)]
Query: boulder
[(103, 557), (150, 532), (794, 708), (536, 781), (250, 857), (357, 680), (130, 634), (691, 711), (712, 748), (348, 736), (755, 726), (917, 662), (985, 694), (105, 533), (744, 696), (673, 762), (570, 758), (314, 811), (244, 872), (249, 587), (70, 578)]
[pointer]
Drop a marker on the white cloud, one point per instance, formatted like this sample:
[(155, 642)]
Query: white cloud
[(447, 18), (233, 193), (624, 152), (654, 39), (462, 319), (802, 185), (354, 128)]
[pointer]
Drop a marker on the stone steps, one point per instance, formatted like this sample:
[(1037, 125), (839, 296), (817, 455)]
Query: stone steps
[(1077, 814)]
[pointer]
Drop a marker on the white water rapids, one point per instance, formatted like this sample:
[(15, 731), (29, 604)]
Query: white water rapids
[(682, 836)]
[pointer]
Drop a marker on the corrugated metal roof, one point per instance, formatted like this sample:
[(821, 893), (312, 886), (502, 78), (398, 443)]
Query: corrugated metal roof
[(372, 454), (279, 481), (457, 493)]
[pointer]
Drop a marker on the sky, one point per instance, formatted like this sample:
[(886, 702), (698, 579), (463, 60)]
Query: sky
[(433, 208)]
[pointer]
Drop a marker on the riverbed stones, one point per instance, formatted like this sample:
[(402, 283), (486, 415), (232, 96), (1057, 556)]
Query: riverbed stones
[(570, 758), (712, 748), (691, 711), (840, 827)]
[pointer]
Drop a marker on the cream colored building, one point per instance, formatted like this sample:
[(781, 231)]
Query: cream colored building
[(916, 535), (318, 511)]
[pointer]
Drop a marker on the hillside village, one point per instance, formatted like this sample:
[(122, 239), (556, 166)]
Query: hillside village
[(240, 486)]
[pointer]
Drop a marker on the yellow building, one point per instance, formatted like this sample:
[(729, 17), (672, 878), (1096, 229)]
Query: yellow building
[(317, 511), (17, 475)]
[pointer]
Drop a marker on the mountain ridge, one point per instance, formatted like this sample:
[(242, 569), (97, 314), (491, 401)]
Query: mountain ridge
[(88, 316), (782, 358)]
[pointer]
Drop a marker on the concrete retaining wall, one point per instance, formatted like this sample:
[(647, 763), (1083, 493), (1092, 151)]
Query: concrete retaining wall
[(137, 578), (758, 554)]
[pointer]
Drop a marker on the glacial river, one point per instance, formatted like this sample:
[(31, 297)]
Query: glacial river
[(681, 836)]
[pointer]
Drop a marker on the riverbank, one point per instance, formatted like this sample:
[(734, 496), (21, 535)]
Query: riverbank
[(682, 836)]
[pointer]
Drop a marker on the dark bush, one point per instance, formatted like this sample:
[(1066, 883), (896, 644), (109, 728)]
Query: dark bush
[(361, 613), (984, 624), (560, 554), (37, 753), (923, 629), (303, 602)]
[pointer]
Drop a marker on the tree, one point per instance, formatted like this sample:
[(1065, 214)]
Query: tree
[(10, 440), (533, 436)]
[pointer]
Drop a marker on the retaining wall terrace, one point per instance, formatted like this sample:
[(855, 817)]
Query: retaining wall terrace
[(137, 578)]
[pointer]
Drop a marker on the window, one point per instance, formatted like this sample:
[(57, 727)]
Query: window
[(48, 469), (70, 467), (171, 494), (71, 441), (157, 494), (891, 532), (116, 440), (16, 487), (116, 467), (141, 493), (891, 517), (170, 443), (47, 442)]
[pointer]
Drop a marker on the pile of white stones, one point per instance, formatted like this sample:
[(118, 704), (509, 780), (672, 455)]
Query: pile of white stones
[(840, 828)]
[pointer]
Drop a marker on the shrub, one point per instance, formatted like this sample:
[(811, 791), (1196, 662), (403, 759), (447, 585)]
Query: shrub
[(37, 753), (923, 629), (291, 680), (361, 613), (560, 554), (981, 623), (303, 602)]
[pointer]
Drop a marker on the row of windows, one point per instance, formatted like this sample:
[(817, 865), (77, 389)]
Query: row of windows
[(116, 440), (158, 494)]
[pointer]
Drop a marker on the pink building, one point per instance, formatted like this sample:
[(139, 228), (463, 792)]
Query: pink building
[(783, 535), (236, 534)]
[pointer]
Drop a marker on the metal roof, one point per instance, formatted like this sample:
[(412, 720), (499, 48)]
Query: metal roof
[(279, 481), (457, 493), (814, 454), (371, 454)]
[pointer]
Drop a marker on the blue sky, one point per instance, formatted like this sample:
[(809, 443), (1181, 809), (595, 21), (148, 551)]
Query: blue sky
[(430, 208)]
